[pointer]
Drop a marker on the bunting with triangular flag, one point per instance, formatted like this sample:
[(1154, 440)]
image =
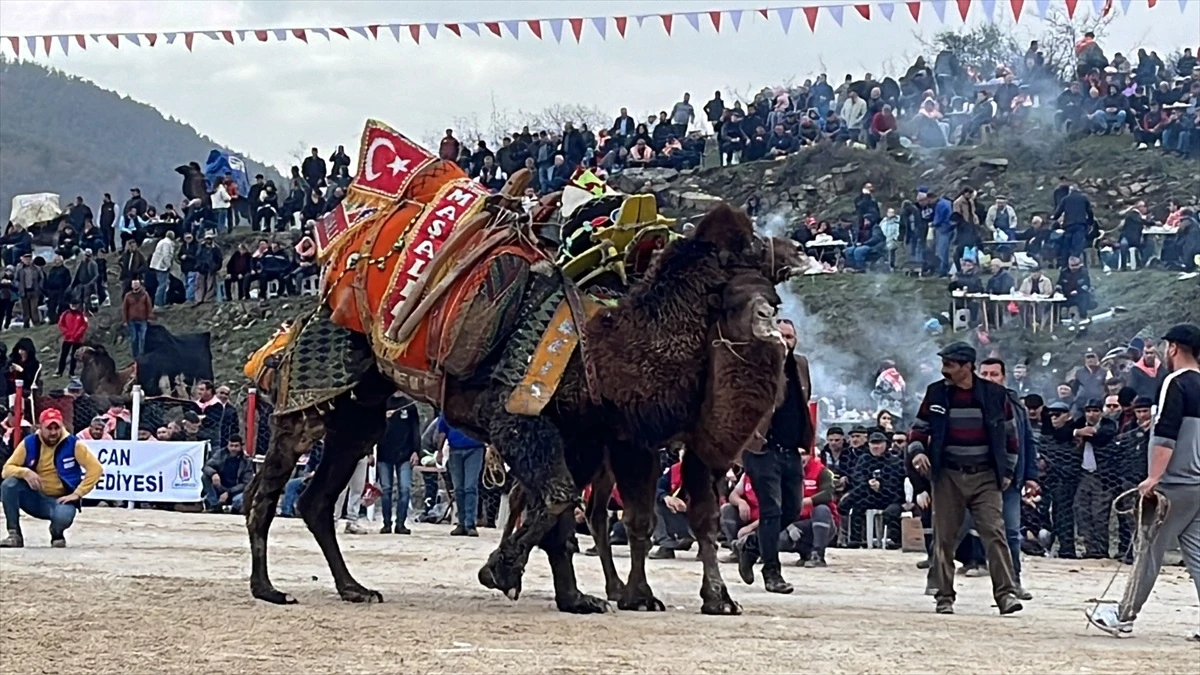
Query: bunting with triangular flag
[(868, 10)]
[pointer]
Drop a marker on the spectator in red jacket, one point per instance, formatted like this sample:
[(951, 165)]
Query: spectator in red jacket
[(883, 129), (73, 325)]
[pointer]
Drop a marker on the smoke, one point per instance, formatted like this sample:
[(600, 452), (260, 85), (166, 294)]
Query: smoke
[(846, 346), (774, 224)]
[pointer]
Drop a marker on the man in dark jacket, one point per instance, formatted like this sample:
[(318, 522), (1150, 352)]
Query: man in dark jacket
[(225, 477), (1075, 284), (964, 441), (314, 171), (255, 200), (87, 278), (776, 471), (79, 213), (340, 163), (1094, 434), (56, 286), (208, 265), (189, 254), (876, 483), (572, 146), (1025, 475), (394, 460), (132, 265), (1075, 214), (108, 219)]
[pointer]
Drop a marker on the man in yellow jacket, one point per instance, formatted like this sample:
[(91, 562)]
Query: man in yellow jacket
[(47, 477)]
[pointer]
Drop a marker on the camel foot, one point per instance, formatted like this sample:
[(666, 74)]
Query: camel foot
[(500, 576), (272, 596), (360, 594), (723, 606), (643, 601), (581, 603), (615, 591)]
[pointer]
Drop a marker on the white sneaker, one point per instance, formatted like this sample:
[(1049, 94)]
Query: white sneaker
[(353, 527), (1104, 616), (1141, 146)]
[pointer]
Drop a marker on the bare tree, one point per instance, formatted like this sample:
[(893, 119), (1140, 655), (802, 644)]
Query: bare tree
[(552, 118), (1059, 35), (298, 152)]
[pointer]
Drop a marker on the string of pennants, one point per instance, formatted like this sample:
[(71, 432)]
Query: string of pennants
[(718, 20)]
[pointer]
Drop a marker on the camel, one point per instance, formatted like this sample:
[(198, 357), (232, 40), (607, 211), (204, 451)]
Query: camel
[(644, 383), (99, 374), (744, 387)]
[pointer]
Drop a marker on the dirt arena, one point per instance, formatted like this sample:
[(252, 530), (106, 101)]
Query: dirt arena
[(150, 591)]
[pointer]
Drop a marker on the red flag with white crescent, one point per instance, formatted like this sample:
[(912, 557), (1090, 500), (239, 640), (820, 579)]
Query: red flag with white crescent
[(389, 161)]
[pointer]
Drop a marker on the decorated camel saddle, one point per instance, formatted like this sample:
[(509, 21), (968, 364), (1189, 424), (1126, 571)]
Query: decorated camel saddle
[(425, 273)]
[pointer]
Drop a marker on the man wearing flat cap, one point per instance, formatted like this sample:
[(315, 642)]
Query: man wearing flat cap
[(1100, 464), (1174, 474), (964, 441)]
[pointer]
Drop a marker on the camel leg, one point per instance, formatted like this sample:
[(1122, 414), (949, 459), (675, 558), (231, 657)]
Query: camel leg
[(703, 515), (637, 472), (533, 449), (597, 508), (290, 438), (352, 428), (516, 507), (561, 545)]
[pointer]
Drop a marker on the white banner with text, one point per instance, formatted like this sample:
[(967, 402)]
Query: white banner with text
[(149, 471)]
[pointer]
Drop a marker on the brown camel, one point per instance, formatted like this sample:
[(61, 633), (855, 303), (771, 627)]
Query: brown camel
[(650, 355), (745, 376), (99, 374)]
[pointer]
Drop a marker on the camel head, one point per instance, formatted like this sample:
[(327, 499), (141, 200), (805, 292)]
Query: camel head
[(731, 231), (778, 259), (746, 309)]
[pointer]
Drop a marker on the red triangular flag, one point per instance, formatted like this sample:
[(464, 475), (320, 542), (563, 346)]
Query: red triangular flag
[(1071, 7), (715, 17), (864, 11), (1017, 6), (16, 44), (46, 43), (261, 35), (112, 40), (577, 27), (494, 27), (152, 38), (80, 41), (535, 27), (810, 13), (667, 19), (764, 13), (340, 31), (1151, 3), (374, 28), (914, 8), (228, 35), (415, 31), (188, 37), (297, 33), (964, 6), (453, 28), (621, 23)]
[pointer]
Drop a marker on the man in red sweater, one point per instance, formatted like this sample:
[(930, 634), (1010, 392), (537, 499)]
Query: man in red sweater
[(883, 129), (73, 325)]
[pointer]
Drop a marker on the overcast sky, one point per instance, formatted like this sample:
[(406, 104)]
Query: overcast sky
[(275, 97)]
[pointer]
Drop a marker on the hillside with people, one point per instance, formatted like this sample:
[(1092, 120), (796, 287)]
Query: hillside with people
[(64, 134)]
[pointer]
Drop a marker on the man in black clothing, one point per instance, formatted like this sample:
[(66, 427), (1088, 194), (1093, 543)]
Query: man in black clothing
[(108, 216), (776, 471), (79, 212), (394, 456), (255, 200), (1094, 434), (314, 170), (876, 483), (1075, 212), (1075, 284)]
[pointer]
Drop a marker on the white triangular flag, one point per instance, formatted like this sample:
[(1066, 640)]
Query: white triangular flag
[(735, 17), (693, 19), (838, 12), (886, 9), (62, 43), (556, 26), (280, 34), (939, 8), (600, 23), (1043, 6), (785, 17)]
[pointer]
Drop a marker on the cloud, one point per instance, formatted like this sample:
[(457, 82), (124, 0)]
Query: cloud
[(262, 98)]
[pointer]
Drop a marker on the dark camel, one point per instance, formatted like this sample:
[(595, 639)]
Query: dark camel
[(745, 376), (651, 355)]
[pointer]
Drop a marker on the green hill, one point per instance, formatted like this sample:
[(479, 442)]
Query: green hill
[(64, 134)]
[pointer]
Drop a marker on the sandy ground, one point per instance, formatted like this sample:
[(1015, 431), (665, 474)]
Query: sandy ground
[(149, 591)]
